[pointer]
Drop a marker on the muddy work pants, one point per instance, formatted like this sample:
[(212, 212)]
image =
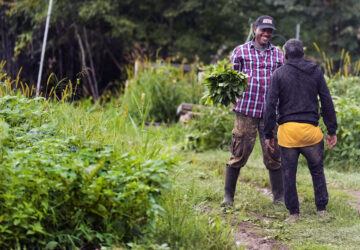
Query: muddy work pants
[(244, 136)]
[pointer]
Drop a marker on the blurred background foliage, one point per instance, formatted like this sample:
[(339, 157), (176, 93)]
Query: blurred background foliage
[(158, 89), (116, 33)]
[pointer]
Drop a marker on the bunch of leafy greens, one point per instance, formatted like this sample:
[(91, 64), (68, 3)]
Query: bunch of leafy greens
[(66, 192), (224, 84)]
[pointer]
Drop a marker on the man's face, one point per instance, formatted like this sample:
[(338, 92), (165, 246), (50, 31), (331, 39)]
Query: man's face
[(262, 36)]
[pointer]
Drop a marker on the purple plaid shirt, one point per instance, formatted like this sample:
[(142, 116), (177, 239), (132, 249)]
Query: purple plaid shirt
[(259, 68)]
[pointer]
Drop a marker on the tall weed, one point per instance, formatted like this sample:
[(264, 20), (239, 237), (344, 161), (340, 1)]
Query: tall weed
[(343, 66)]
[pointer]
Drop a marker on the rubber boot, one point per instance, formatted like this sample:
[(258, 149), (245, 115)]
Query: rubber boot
[(231, 177), (277, 185)]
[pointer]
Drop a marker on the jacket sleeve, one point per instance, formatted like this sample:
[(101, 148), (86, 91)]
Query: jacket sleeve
[(270, 107), (327, 106)]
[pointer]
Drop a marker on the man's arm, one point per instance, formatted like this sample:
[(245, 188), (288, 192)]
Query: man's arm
[(328, 112), (270, 112), (270, 107)]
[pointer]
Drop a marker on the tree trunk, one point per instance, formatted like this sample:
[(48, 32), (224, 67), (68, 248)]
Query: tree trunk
[(92, 68), (84, 67)]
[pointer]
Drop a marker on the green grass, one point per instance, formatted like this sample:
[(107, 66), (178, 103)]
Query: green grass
[(192, 217), (202, 176)]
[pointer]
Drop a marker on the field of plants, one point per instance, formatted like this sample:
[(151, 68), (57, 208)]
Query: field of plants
[(84, 175)]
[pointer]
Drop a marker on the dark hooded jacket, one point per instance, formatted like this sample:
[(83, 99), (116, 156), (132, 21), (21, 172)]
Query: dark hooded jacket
[(295, 87)]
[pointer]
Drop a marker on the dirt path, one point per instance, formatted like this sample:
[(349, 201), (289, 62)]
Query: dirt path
[(355, 202), (265, 191), (246, 234)]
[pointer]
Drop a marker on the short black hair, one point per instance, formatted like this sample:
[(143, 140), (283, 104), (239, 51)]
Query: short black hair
[(294, 49)]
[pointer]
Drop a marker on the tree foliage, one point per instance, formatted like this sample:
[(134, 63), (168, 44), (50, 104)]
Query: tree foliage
[(95, 40)]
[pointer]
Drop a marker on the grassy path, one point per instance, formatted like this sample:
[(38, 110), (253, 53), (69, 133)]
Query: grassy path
[(255, 222)]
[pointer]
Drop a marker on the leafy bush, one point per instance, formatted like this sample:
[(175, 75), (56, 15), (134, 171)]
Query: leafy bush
[(345, 87), (62, 192), (210, 129), (156, 92), (346, 97)]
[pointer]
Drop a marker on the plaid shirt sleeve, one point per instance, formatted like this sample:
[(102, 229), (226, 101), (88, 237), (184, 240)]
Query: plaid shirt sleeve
[(259, 67), (236, 60)]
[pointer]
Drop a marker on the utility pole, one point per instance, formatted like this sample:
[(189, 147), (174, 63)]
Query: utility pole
[(43, 48), (250, 31)]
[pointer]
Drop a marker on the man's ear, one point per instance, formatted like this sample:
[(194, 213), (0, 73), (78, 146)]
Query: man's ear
[(286, 57)]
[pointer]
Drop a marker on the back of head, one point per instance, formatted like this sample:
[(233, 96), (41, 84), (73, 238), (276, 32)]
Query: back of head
[(293, 49)]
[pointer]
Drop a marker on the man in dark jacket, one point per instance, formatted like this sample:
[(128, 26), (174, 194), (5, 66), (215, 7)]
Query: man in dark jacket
[(295, 87)]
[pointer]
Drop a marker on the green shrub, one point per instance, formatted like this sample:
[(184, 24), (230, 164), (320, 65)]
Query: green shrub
[(348, 87), (58, 191), (210, 129), (156, 92), (346, 97)]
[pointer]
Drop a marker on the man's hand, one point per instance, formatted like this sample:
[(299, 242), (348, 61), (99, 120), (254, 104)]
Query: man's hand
[(270, 143), (331, 140)]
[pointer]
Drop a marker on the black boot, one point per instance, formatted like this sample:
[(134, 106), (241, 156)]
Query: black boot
[(231, 177), (277, 185)]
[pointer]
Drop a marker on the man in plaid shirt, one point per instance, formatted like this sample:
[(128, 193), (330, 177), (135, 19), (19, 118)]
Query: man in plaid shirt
[(258, 59)]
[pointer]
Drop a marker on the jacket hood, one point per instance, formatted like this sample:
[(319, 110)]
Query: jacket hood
[(302, 64)]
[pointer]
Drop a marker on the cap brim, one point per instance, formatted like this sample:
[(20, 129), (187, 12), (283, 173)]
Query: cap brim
[(264, 26)]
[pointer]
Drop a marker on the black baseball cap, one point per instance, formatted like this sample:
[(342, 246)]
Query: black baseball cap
[(264, 22)]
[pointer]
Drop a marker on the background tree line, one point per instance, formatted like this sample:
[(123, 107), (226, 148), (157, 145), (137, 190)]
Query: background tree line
[(95, 40)]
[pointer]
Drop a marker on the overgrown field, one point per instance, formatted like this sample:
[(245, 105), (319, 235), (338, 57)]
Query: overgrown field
[(77, 175)]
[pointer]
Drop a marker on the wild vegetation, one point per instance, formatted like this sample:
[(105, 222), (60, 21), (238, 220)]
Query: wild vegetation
[(83, 174), (346, 100), (158, 90), (59, 190), (99, 161)]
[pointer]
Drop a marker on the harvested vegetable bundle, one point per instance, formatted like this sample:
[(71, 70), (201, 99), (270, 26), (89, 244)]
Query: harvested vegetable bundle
[(224, 84)]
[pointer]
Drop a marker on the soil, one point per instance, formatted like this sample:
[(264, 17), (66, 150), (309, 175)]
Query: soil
[(355, 202), (265, 191), (246, 234)]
